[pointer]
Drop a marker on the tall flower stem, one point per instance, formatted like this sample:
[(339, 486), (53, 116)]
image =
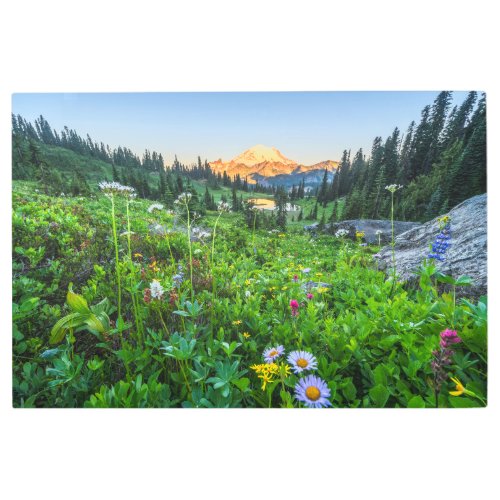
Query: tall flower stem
[(117, 262), (253, 233), (190, 249), (214, 288), (393, 244), (138, 320)]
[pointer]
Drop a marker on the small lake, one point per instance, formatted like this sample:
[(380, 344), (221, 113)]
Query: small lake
[(268, 204)]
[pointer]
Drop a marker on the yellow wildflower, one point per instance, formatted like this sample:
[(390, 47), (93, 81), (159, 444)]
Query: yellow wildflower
[(284, 287), (322, 289), (237, 322), (460, 388), (246, 335), (319, 275), (281, 235), (360, 234), (268, 372), (248, 282), (137, 254)]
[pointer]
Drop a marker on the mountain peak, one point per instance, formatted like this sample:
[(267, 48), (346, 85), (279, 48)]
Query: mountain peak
[(260, 153)]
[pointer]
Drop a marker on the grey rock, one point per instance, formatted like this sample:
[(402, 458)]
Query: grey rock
[(467, 254), (367, 226)]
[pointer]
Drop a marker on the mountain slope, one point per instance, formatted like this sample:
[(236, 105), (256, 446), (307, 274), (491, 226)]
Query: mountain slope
[(269, 166)]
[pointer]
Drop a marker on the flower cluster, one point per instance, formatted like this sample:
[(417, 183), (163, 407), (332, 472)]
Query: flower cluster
[(222, 206), (441, 243), (155, 206), (448, 338), (112, 188), (179, 277), (183, 198), (393, 187), (442, 357), (310, 390), (341, 233), (157, 290), (268, 372), (294, 306)]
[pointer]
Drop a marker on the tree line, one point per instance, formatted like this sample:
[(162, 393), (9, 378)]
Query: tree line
[(441, 161)]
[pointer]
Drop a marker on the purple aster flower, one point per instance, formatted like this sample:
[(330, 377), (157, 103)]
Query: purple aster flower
[(271, 353), (313, 392), (302, 360)]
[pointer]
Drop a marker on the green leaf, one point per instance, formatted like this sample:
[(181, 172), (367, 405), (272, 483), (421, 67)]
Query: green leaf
[(77, 303), (379, 395), (416, 402), (242, 383), (462, 402), (59, 330)]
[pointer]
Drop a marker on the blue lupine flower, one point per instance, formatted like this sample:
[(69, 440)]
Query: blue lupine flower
[(179, 277), (313, 392), (441, 243)]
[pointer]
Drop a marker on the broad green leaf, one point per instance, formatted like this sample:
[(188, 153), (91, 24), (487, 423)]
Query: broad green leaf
[(59, 330), (416, 402), (77, 303), (379, 395)]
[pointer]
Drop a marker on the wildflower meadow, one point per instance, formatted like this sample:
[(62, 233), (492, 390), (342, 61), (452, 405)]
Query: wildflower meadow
[(110, 311)]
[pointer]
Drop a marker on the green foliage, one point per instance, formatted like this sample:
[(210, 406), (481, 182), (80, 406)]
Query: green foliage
[(373, 348)]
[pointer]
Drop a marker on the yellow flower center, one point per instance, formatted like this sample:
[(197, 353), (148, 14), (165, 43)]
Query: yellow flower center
[(273, 353), (313, 393), (302, 363)]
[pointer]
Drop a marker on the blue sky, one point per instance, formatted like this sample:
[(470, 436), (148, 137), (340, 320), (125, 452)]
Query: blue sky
[(305, 126)]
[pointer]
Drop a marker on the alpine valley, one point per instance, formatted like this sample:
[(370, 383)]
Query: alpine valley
[(268, 166)]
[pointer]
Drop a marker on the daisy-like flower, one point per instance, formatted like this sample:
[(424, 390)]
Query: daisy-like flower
[(301, 361), (306, 270), (156, 290), (272, 353), (313, 392), (155, 206)]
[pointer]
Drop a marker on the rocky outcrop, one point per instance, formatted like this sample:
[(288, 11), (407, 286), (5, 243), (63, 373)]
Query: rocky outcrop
[(369, 227), (466, 255)]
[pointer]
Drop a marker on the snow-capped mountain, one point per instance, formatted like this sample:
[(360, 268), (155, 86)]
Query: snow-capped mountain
[(268, 165)]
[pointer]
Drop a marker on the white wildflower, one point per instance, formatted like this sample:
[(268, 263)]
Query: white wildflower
[(393, 187), (378, 231), (341, 233), (111, 188), (156, 290), (155, 206), (184, 198), (222, 206), (247, 294)]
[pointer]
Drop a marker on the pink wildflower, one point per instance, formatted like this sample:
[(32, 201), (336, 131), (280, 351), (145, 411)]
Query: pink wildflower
[(294, 305), (310, 296), (449, 337)]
